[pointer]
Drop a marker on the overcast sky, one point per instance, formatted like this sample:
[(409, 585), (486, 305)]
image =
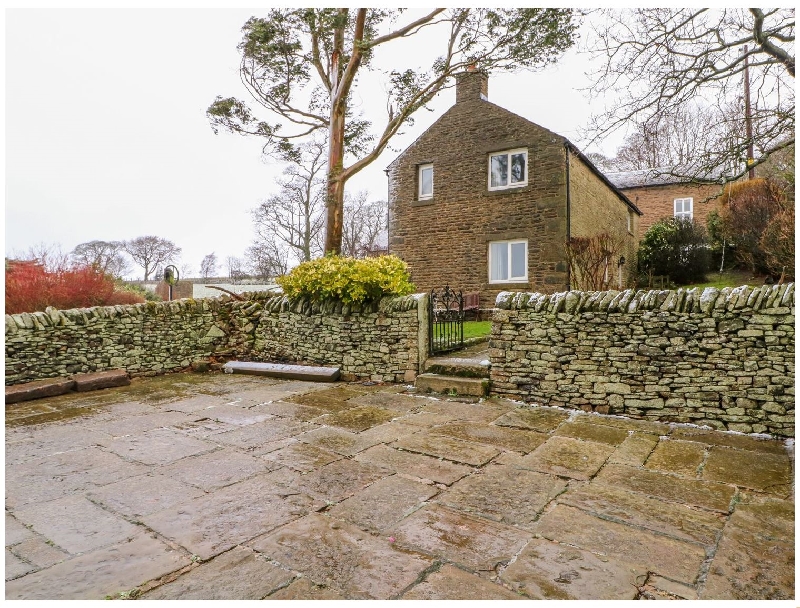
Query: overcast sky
[(107, 136)]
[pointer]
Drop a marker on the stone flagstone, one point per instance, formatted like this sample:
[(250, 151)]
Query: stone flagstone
[(568, 457), (448, 448), (451, 583), (415, 465)]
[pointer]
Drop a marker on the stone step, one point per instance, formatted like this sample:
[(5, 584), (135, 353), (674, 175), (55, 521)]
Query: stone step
[(458, 366), (283, 370), (477, 387), (38, 389)]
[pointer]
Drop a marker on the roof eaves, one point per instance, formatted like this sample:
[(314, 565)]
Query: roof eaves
[(601, 175)]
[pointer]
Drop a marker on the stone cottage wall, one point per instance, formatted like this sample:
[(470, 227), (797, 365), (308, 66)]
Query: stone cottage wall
[(722, 358), (378, 341)]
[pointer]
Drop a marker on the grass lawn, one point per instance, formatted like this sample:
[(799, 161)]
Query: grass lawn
[(729, 278), (474, 329)]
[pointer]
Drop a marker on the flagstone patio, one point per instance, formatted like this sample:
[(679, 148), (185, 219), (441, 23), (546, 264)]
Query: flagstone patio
[(209, 486)]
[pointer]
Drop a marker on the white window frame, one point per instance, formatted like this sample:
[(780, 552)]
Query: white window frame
[(510, 279), (508, 153), (683, 214), (630, 221), (420, 195)]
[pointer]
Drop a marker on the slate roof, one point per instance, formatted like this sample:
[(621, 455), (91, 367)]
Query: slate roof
[(659, 176)]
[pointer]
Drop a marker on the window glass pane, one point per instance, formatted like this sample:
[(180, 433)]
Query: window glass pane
[(499, 170), (426, 181), (517, 168), (498, 256), (518, 261)]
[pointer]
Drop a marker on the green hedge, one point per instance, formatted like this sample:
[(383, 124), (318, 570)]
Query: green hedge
[(348, 279)]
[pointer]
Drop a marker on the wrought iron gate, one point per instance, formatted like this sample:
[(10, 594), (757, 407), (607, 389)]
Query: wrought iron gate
[(445, 321)]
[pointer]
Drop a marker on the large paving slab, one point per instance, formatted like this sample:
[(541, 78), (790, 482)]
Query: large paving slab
[(338, 440), (356, 419), (765, 472), (455, 450), (634, 450), (546, 570), (568, 457), (542, 419), (484, 411), (671, 558), (239, 574), (300, 456), (215, 470), (390, 401), (285, 409), (340, 479), (756, 555), (133, 425), (100, 574), (214, 523), (472, 542), (143, 495), (680, 457), (498, 436), (341, 556), (732, 440), (159, 446), (451, 583), (600, 433), (304, 589), (504, 494), (414, 465), (261, 438), (384, 503)]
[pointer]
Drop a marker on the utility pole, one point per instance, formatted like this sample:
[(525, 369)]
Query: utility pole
[(748, 119)]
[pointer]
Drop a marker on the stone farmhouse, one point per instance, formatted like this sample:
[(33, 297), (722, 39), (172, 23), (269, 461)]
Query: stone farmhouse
[(485, 200), (659, 195)]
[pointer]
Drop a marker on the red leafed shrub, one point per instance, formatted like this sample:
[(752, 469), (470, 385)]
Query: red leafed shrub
[(30, 287)]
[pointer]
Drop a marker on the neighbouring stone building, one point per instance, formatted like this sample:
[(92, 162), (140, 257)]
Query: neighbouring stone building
[(485, 200), (658, 194)]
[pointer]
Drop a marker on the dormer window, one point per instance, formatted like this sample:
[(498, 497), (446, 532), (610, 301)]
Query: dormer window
[(508, 169), (425, 179)]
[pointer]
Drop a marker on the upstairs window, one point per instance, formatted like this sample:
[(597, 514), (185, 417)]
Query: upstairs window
[(683, 208), (508, 261), (508, 169), (425, 179)]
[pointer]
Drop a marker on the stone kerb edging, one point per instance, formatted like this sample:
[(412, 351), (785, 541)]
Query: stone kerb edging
[(690, 300)]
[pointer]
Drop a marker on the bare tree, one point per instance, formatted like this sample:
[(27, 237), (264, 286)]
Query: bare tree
[(267, 259), (208, 267), (364, 224), (236, 268), (659, 61), (106, 256), (294, 217), (50, 257), (301, 66), (152, 252)]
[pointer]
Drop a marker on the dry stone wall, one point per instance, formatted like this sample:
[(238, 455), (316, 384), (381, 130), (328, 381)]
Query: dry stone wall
[(722, 358), (377, 341)]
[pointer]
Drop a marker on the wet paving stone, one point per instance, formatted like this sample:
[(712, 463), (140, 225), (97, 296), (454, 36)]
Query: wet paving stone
[(342, 557), (621, 422), (304, 589), (330, 399), (568, 457), (197, 404), (390, 431), (451, 583), (15, 567), (485, 411), (705, 494), (472, 542), (755, 557), (239, 574), (389, 401), (39, 442), (502, 437), (539, 419), (97, 574), (448, 448), (593, 432), (634, 450), (427, 419), (75, 524), (300, 456), (239, 416), (357, 418), (414, 465), (503, 494), (671, 558), (338, 480), (660, 588), (546, 570), (384, 503), (285, 409), (338, 440), (38, 552), (142, 495), (260, 438), (679, 457), (134, 425), (771, 473), (212, 524), (159, 446), (674, 520), (732, 440), (15, 531), (215, 469)]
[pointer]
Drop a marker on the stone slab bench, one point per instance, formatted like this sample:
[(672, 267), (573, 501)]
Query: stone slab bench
[(283, 370), (38, 389), (97, 380)]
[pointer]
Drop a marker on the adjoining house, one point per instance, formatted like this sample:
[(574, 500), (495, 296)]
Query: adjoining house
[(659, 193), (485, 200)]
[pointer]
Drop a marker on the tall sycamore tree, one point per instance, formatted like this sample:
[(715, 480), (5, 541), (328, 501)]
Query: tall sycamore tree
[(300, 67)]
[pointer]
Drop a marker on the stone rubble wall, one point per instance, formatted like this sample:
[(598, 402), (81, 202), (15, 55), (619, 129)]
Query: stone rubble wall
[(721, 358), (377, 341)]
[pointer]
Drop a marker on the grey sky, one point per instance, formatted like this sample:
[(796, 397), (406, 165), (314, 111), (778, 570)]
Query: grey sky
[(107, 138)]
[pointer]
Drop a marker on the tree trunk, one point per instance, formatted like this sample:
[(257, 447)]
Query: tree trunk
[(335, 193)]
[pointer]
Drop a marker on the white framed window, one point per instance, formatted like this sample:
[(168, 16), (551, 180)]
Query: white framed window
[(508, 169), (630, 221), (425, 178), (683, 208), (508, 261)]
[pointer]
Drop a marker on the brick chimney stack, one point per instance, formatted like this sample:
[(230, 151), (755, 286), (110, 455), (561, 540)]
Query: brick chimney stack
[(472, 85)]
